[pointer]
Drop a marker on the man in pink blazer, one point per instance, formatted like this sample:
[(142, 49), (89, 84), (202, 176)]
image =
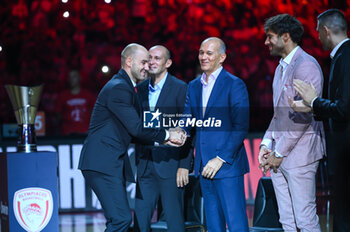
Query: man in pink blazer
[(294, 142)]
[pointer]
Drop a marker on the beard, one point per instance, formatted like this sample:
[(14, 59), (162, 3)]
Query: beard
[(277, 50), (137, 74)]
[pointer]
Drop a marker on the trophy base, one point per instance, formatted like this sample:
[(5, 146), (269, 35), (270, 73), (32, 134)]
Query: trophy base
[(26, 138), (27, 148)]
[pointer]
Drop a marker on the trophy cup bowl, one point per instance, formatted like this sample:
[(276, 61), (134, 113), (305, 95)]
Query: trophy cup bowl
[(25, 101)]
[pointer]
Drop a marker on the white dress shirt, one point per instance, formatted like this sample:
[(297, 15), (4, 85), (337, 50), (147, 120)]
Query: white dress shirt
[(207, 87)]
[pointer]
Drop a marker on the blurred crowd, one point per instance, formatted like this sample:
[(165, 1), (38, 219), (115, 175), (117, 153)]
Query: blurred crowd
[(40, 45)]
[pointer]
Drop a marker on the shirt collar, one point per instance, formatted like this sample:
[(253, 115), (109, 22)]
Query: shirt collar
[(334, 51), (214, 75), (289, 58), (158, 86), (133, 83)]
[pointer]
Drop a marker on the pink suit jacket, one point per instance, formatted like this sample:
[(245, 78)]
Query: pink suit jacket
[(296, 136)]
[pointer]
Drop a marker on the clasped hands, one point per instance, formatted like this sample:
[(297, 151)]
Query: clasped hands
[(177, 137), (267, 160)]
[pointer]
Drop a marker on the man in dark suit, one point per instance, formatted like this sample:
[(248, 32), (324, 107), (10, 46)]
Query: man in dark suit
[(219, 105), (161, 170), (332, 29), (114, 122)]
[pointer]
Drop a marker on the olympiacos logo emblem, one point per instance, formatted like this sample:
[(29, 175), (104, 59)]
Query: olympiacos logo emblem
[(33, 208)]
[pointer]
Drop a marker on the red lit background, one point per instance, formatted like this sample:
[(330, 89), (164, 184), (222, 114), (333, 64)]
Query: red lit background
[(40, 45)]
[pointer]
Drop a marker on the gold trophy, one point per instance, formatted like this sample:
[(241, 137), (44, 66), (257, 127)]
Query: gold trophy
[(25, 101)]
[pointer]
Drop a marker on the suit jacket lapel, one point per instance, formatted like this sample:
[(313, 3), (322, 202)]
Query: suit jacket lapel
[(198, 98), (335, 58), (287, 75), (144, 96), (282, 82), (275, 85), (164, 93), (219, 84), (332, 69), (126, 78)]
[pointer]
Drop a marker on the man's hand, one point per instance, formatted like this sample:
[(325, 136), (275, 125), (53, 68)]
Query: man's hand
[(273, 162), (299, 106), (212, 167), (306, 92), (182, 177), (177, 137), (263, 156)]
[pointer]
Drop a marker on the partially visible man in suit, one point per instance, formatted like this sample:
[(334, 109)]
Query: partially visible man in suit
[(114, 122), (293, 144), (221, 100), (332, 29), (161, 171)]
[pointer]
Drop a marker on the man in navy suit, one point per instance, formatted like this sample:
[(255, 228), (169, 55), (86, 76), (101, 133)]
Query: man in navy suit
[(161, 170), (218, 101), (114, 122)]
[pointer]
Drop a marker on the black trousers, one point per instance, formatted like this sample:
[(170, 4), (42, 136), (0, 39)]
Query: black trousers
[(110, 191), (150, 186), (341, 219)]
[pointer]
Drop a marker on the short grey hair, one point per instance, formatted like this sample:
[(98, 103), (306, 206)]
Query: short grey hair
[(166, 51), (222, 46)]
